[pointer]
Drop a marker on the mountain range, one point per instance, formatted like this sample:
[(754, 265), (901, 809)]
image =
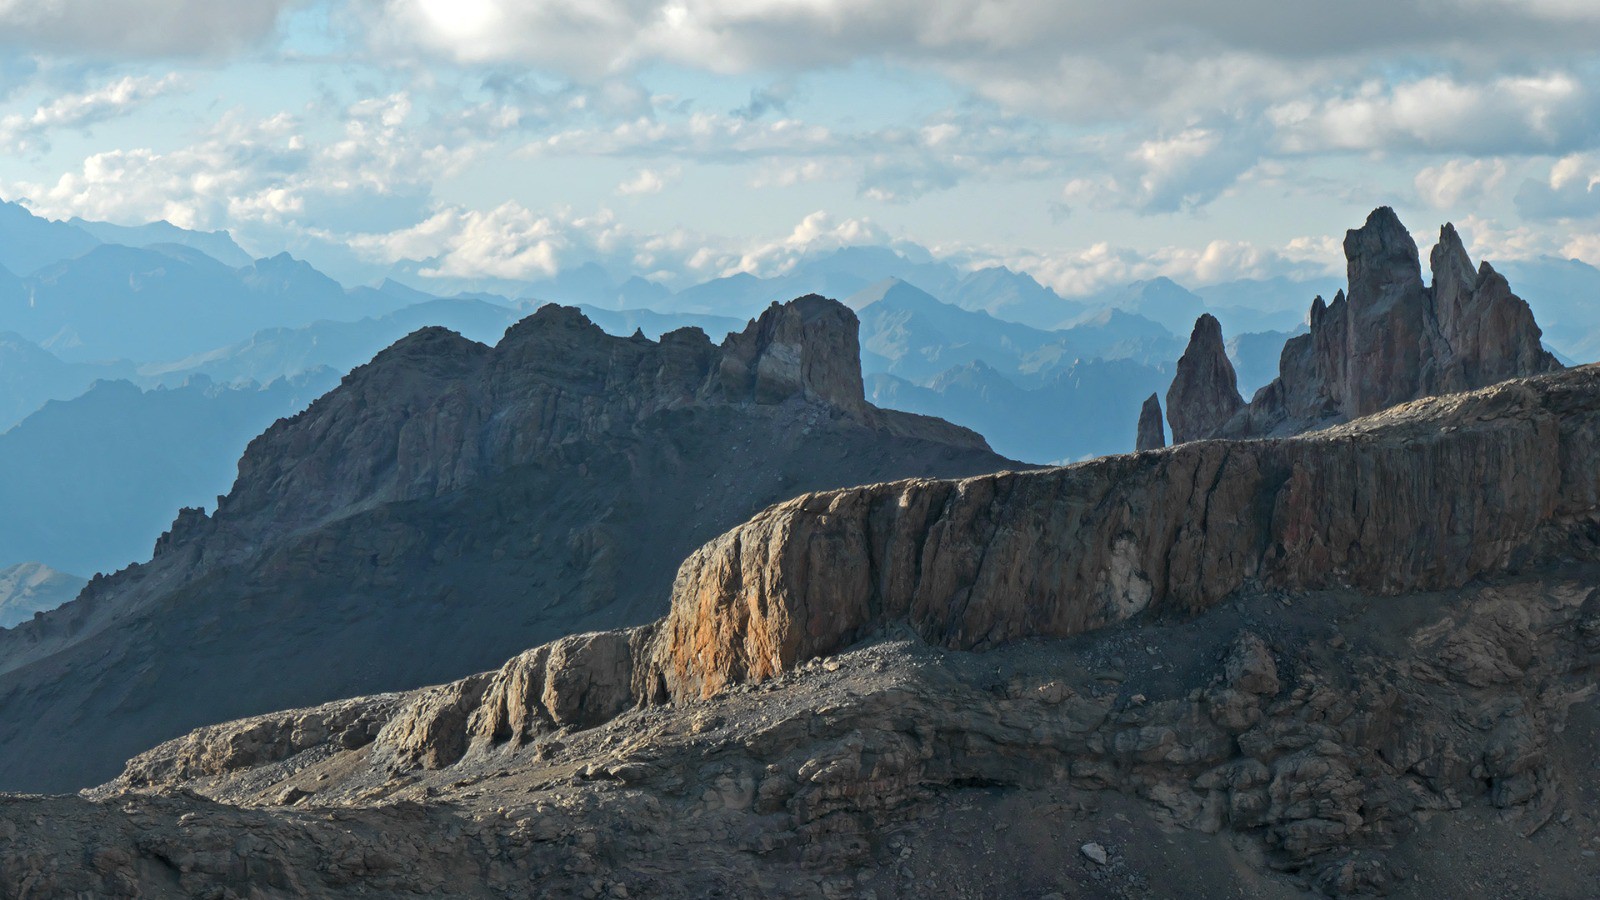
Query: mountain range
[(448, 504), (156, 305), (608, 615)]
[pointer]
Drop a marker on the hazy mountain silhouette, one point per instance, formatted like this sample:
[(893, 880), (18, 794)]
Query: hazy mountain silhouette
[(92, 481)]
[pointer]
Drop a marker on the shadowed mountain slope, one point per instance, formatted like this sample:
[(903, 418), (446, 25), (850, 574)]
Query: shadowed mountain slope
[(448, 505)]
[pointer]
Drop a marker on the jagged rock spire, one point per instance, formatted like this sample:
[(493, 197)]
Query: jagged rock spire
[(1205, 390), (1390, 338), (1152, 435)]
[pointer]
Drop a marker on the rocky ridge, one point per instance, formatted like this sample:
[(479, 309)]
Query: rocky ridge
[(1387, 340), (447, 506), (1290, 705)]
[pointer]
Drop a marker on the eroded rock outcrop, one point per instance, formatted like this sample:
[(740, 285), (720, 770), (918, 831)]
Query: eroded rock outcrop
[(1152, 434), (1316, 737), (1318, 724), (1425, 496), (446, 507), (1205, 390), (1391, 338)]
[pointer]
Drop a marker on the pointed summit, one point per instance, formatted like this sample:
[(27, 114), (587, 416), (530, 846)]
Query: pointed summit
[(1152, 436), (1391, 339), (1205, 390)]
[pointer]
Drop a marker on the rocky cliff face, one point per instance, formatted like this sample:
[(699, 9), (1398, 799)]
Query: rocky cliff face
[(1320, 747), (1331, 739), (1205, 391), (1423, 497), (1152, 434), (447, 506), (1389, 339)]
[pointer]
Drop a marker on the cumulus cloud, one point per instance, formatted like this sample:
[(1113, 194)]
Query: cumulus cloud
[(1511, 114), (512, 243), (1459, 182), (138, 28), (1165, 174), (1103, 265), (263, 176), (646, 181)]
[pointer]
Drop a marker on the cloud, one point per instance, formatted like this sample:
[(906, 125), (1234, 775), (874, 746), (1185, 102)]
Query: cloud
[(265, 177), (118, 98), (1571, 191), (1510, 114), (1103, 265), (1166, 174), (647, 181), (138, 28), (1455, 182), (774, 98), (514, 244), (507, 242), (1096, 58)]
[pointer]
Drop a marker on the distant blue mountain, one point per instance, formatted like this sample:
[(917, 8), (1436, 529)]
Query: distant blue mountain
[(1255, 357), (218, 245), (1076, 413), (1015, 296), (91, 482), (28, 242), (168, 301), (31, 376), (907, 332), (28, 588), (1565, 297), (274, 353)]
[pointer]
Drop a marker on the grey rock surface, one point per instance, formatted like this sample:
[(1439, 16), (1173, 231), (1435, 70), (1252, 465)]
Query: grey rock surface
[(1204, 392), (1392, 338), (447, 506), (1152, 434)]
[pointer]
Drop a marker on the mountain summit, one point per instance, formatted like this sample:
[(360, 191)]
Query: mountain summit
[(1389, 339), (448, 505)]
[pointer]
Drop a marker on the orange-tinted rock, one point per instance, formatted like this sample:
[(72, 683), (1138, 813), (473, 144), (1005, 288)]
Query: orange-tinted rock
[(1425, 496)]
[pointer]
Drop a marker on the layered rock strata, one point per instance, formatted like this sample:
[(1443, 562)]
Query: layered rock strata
[(1425, 496), (1295, 709), (1328, 743)]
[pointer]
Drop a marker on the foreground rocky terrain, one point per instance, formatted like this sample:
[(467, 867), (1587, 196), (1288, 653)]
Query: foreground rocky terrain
[(1359, 661), (447, 506)]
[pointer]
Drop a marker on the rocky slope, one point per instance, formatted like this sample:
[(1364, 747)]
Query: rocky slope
[(1389, 339), (1359, 661), (447, 506)]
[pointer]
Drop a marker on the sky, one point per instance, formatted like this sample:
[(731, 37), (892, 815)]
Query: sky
[(1087, 143)]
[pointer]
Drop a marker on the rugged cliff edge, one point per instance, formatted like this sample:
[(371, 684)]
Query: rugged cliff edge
[(1388, 340), (448, 505), (1424, 496), (1368, 655)]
